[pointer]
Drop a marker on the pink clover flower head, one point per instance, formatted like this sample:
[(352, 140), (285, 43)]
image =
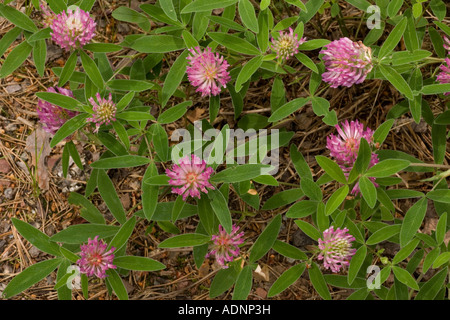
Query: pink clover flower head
[(336, 248), (95, 260), (72, 29), (345, 146), (346, 62), (51, 116), (207, 71), (47, 16), (226, 246), (287, 44), (191, 175), (444, 76), (104, 111)]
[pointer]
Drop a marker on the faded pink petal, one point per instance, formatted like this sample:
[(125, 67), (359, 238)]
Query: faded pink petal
[(287, 44), (226, 246), (336, 249)]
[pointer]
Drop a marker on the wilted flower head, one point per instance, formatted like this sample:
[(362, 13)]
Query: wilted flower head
[(51, 116), (104, 111), (226, 245), (72, 29), (345, 146), (346, 62), (447, 44), (336, 248), (207, 71), (287, 44), (191, 175), (47, 16), (444, 75), (95, 260)]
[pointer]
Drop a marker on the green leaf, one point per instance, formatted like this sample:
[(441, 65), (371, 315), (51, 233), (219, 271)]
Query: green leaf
[(223, 280), (439, 88), (267, 180), (412, 221), (124, 161), (405, 277), (382, 131), (397, 81), (311, 189), (174, 113), (126, 14), (234, 43), (243, 284), (302, 209), (138, 263), (135, 116), (37, 238), (220, 207), (286, 279), (185, 240), (308, 229), (226, 23), (383, 234), (393, 39), (304, 59), (58, 99), (30, 276), (80, 233), (263, 35), (387, 168), (207, 5), (174, 77), (8, 38), (318, 281), (39, 56), (158, 44), (336, 199), (117, 284), (68, 69), (266, 240), (439, 195), (168, 8), (15, 58), (122, 236), (102, 47), (89, 211), (431, 288), (404, 252), (332, 168), (109, 195), (441, 228), (289, 251), (18, 18), (430, 258), (443, 258), (439, 140), (149, 193), (189, 40), (160, 141), (113, 145), (129, 85), (356, 263), (287, 109), (406, 57), (158, 180), (248, 15), (283, 198), (91, 70), (247, 71), (393, 7), (278, 94), (301, 166), (69, 127), (239, 173)]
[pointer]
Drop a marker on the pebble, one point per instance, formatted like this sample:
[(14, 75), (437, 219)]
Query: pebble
[(34, 252), (9, 193), (13, 88)]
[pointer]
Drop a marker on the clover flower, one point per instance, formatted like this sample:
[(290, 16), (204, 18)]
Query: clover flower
[(47, 16), (444, 76), (346, 62), (207, 71), (226, 246), (104, 111), (287, 44), (345, 146), (191, 175), (51, 116), (336, 248), (72, 29), (95, 260)]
